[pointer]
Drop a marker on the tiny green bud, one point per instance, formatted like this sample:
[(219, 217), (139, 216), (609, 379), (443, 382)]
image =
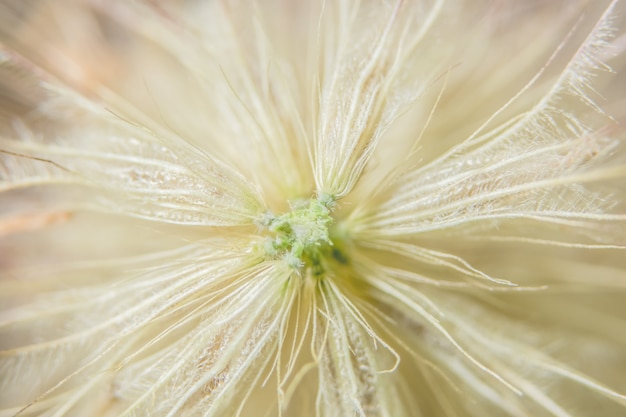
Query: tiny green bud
[(301, 234)]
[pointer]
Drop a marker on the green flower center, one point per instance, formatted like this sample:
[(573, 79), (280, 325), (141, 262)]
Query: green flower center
[(301, 236)]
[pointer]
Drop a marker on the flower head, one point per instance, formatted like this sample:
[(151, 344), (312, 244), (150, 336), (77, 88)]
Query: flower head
[(331, 208)]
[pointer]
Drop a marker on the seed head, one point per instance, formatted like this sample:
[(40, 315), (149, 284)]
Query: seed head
[(376, 208)]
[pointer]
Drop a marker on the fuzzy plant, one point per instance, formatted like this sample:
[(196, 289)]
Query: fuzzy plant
[(375, 208)]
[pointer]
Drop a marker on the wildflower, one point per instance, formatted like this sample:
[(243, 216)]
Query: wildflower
[(377, 208)]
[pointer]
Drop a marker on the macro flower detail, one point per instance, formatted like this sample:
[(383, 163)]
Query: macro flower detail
[(312, 208)]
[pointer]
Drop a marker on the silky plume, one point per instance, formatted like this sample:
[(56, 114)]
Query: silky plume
[(312, 208)]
